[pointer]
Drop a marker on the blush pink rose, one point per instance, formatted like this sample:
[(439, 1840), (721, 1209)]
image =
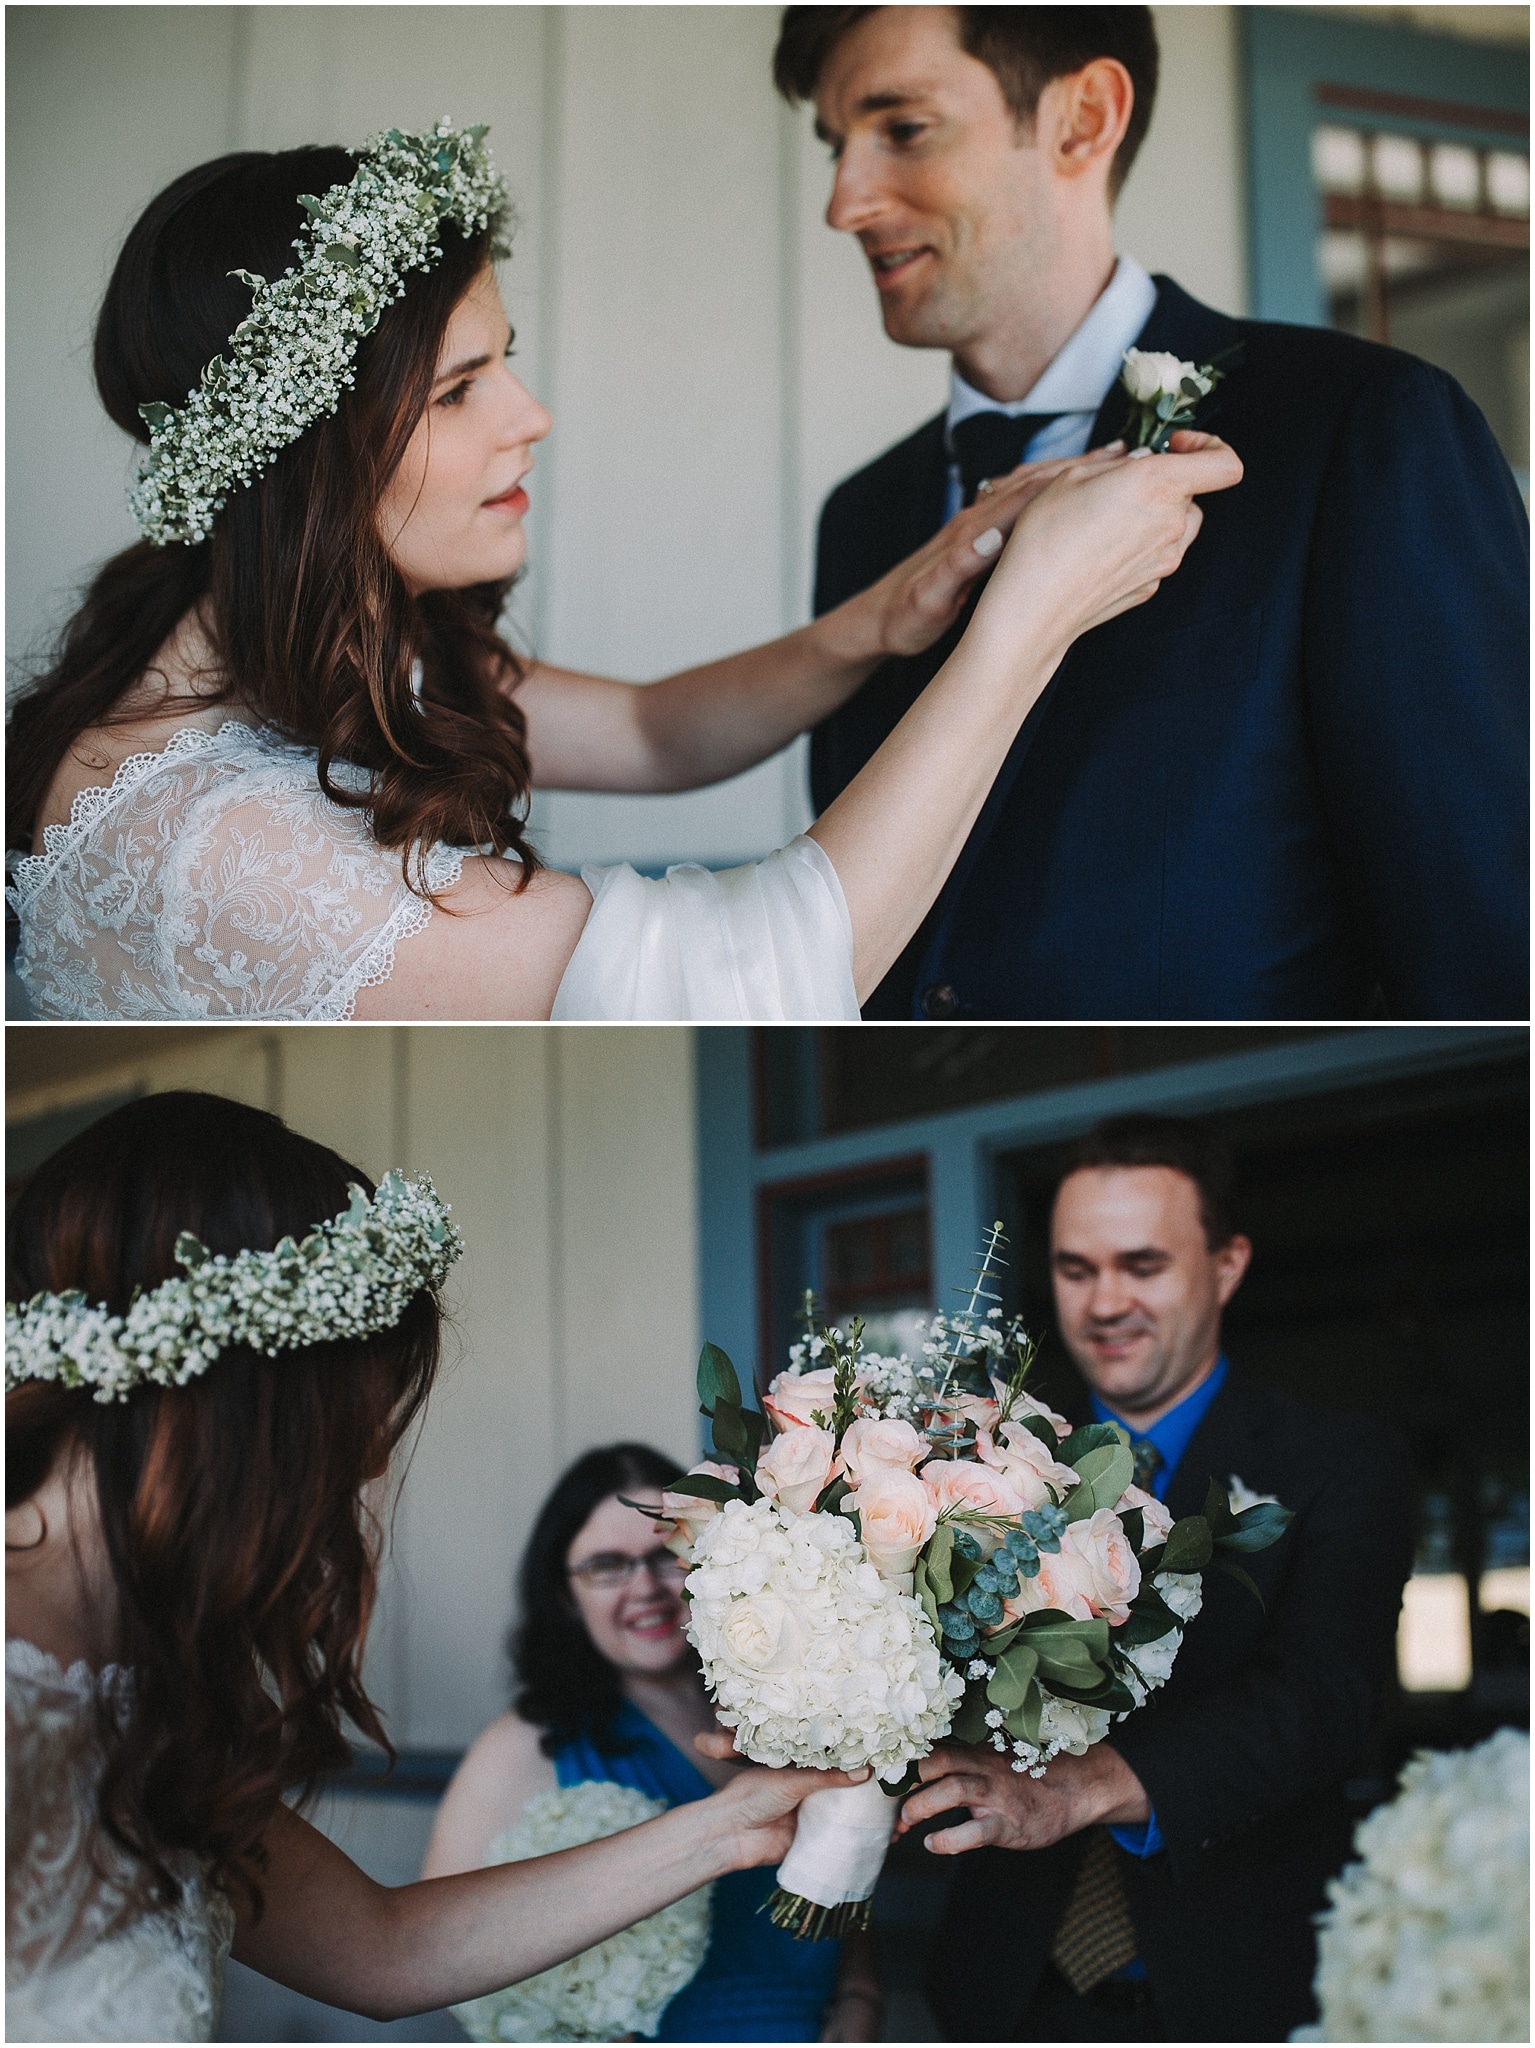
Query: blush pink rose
[(798, 1396), (958, 1483), (1027, 1405), (795, 1466), (1027, 1464), (1094, 1574), (869, 1446), (897, 1516), (689, 1513), (977, 1408), (1158, 1523)]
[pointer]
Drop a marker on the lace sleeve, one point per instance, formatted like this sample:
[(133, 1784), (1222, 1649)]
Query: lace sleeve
[(759, 944), (214, 880)]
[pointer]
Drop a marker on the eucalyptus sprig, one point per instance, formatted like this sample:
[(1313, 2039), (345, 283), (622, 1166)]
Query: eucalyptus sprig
[(963, 1326)]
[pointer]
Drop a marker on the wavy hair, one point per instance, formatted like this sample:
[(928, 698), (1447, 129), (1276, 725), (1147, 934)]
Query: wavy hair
[(243, 1553), (313, 629), (563, 1683)]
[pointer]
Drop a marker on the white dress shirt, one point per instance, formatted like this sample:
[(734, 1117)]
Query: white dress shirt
[(1077, 380)]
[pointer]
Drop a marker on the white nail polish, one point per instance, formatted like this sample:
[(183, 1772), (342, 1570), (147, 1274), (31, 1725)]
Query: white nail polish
[(1137, 451), (987, 544)]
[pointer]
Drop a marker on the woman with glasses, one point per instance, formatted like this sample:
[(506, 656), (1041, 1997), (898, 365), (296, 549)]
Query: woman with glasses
[(607, 1688)]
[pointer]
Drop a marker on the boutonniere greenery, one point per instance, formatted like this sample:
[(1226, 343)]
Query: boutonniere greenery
[(1165, 394)]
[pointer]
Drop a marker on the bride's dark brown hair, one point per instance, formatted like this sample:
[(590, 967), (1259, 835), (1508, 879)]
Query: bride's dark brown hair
[(243, 1554), (312, 626)]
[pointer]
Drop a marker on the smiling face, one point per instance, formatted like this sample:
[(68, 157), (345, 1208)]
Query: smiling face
[(951, 201), (636, 1621), (451, 515), (1138, 1289)]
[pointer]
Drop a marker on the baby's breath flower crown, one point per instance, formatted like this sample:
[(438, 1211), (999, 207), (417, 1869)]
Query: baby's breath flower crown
[(351, 1277), (291, 356)]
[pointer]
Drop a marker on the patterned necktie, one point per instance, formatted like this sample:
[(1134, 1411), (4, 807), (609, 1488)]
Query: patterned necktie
[(990, 444), (1148, 1462), (1096, 1936)]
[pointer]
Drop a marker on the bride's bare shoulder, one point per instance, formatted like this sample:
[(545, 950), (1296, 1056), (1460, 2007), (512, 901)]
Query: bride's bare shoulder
[(490, 950), (179, 687)]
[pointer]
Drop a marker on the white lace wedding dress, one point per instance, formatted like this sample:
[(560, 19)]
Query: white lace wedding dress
[(214, 879), (90, 1955)]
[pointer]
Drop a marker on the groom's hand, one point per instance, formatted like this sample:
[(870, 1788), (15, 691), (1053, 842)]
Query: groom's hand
[(1010, 1810)]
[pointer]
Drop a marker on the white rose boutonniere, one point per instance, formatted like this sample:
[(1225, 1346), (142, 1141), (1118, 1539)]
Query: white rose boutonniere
[(1164, 394)]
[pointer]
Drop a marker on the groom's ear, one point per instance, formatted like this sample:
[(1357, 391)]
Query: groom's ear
[(1082, 118)]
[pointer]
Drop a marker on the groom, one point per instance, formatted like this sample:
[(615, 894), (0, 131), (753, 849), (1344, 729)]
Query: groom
[(1164, 1885), (1293, 784)]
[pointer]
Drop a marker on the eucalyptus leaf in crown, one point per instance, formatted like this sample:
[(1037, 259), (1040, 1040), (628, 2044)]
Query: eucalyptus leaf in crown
[(292, 356), (351, 1277)]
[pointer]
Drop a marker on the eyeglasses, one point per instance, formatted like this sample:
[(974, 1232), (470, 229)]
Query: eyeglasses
[(610, 1569)]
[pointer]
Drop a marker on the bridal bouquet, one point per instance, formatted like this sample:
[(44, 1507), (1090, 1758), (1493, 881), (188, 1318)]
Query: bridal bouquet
[(618, 1989), (890, 1552)]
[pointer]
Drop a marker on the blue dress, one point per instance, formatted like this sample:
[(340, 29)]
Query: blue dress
[(756, 1983)]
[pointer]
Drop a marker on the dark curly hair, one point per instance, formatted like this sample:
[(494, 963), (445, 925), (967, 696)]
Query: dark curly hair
[(244, 1555), (562, 1682), (313, 628)]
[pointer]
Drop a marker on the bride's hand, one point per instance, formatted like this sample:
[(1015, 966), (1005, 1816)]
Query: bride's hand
[(760, 1806), (920, 598), (1102, 537)]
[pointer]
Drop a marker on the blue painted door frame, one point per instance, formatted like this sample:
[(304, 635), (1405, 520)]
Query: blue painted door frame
[(1288, 51)]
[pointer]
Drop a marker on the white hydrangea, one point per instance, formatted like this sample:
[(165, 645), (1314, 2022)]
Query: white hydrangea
[(291, 357), (619, 1988), (1428, 1935), (810, 1654), (351, 1277)]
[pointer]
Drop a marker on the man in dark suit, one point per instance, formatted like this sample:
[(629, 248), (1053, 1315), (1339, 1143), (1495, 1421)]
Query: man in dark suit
[(1294, 783), (1163, 1885)]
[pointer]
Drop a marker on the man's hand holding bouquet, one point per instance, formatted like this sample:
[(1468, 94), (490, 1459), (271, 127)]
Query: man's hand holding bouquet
[(890, 1553)]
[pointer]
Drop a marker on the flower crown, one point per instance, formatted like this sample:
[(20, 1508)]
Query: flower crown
[(351, 1277), (291, 356)]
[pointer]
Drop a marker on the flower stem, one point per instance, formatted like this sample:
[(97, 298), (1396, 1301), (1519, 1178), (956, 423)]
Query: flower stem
[(807, 1921)]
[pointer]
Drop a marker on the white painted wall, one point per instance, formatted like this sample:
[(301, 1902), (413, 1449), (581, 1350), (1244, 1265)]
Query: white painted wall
[(711, 350), (568, 1157)]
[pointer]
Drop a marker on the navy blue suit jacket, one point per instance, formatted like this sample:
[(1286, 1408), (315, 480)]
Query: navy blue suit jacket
[(1244, 1753), (1294, 784)]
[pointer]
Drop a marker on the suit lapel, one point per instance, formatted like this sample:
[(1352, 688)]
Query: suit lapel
[(1216, 1450), (1184, 328), (1195, 333)]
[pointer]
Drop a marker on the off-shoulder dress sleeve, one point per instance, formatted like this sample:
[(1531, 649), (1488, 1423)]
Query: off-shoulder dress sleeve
[(767, 943)]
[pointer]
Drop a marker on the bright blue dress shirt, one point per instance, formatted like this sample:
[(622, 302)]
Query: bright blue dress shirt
[(1171, 1436)]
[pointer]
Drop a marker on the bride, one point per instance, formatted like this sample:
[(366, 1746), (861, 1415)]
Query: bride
[(281, 764), (193, 1445)]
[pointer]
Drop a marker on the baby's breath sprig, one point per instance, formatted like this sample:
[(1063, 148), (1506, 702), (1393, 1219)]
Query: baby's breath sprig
[(292, 355), (351, 1277)]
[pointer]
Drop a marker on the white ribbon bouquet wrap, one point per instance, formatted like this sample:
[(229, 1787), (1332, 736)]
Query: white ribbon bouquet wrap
[(891, 1552)]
